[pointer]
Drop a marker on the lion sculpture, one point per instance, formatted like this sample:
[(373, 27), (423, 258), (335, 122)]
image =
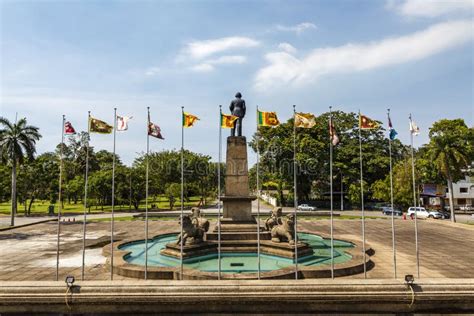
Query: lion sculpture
[(285, 231), (198, 220), (194, 233), (274, 219)]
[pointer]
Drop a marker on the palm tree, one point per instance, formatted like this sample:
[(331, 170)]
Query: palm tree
[(17, 141), (451, 150)]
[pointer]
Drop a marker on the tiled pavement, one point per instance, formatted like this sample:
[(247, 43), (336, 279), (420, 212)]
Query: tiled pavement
[(446, 250)]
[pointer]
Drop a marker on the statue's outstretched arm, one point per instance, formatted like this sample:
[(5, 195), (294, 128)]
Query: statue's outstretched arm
[(243, 108)]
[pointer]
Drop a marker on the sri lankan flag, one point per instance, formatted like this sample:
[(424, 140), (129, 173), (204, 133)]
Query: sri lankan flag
[(367, 123), (98, 126), (305, 120), (189, 119), (227, 120), (267, 119)]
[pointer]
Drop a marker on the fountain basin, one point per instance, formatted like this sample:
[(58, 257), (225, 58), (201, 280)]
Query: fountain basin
[(129, 261)]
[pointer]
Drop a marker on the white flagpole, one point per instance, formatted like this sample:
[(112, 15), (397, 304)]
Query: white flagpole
[(182, 191), (85, 196), (146, 192), (342, 193), (295, 191), (362, 199), (391, 201), (60, 207), (113, 203), (258, 200), (417, 250), (130, 190), (219, 196), (331, 191)]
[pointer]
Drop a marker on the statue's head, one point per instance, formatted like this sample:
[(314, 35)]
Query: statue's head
[(238, 95)]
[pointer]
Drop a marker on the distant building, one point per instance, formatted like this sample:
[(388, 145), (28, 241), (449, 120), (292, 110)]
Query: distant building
[(463, 194)]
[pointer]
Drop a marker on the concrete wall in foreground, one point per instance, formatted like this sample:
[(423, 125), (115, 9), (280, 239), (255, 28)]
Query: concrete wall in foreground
[(265, 296)]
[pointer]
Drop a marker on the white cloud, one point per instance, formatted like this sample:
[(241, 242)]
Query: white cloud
[(208, 65), (286, 47), (298, 29), (204, 67), (284, 68), (234, 59), (152, 71), (204, 49), (430, 8)]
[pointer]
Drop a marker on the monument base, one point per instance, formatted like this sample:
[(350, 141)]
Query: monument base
[(189, 251), (239, 245)]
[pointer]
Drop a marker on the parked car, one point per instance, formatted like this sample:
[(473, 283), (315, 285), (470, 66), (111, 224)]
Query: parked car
[(421, 212), (386, 210), (445, 214), (306, 207)]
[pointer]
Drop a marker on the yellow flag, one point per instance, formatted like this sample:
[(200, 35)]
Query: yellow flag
[(189, 119), (227, 120), (267, 119), (305, 120), (367, 123), (98, 126)]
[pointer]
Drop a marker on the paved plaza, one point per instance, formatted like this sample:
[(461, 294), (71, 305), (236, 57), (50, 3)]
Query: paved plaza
[(446, 249)]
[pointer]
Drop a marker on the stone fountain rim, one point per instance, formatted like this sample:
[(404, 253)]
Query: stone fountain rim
[(351, 267)]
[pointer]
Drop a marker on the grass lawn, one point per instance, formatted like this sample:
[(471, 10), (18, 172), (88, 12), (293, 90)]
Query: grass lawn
[(41, 207)]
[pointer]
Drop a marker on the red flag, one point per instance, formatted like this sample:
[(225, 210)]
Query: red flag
[(68, 129), (154, 130)]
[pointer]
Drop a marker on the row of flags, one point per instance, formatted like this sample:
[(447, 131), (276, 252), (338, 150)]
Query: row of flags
[(268, 119)]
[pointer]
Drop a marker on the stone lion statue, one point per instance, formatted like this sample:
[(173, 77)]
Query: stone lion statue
[(286, 231), (274, 219), (195, 233), (198, 220)]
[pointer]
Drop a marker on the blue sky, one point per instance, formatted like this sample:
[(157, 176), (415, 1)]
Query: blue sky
[(68, 57)]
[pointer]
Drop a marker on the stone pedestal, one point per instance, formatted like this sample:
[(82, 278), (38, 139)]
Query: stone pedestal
[(237, 199)]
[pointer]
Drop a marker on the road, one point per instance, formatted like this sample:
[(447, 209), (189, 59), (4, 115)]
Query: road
[(264, 211)]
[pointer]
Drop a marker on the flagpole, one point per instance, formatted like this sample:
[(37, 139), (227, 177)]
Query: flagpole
[(391, 199), (130, 189), (342, 194), (414, 200), (362, 199), (182, 191), (331, 191), (85, 196), (295, 191), (146, 191), (219, 196), (60, 207), (258, 200), (113, 203)]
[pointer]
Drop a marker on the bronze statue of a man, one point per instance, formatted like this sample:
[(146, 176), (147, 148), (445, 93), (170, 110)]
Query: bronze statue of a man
[(237, 108)]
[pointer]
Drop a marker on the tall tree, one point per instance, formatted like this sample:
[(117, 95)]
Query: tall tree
[(17, 141), (451, 148)]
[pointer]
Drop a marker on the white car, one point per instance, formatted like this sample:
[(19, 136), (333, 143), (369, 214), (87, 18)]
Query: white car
[(306, 207), (421, 212)]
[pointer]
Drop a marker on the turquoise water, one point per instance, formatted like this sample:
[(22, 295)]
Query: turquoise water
[(237, 262)]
